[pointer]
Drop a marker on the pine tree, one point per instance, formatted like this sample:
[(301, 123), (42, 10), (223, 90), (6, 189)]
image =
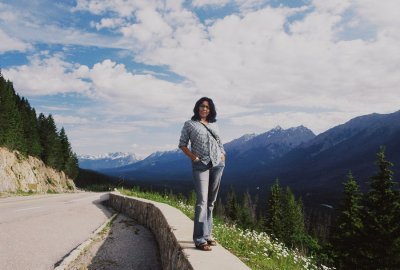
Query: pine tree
[(30, 127), (348, 226), (293, 231), (11, 127), (274, 211), (72, 166), (50, 142), (232, 206), (65, 148), (247, 217), (381, 219)]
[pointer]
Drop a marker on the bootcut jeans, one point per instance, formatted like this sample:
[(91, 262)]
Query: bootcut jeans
[(207, 179)]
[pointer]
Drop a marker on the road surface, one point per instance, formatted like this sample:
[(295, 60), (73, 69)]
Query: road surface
[(36, 232)]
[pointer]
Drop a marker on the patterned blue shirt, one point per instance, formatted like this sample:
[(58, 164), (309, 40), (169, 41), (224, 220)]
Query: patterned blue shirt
[(203, 144)]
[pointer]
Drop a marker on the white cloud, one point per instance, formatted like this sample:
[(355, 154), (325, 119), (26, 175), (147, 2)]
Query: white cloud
[(63, 120), (137, 94), (250, 60), (202, 3), (108, 23), (384, 14), (121, 7), (150, 28), (47, 75), (11, 44)]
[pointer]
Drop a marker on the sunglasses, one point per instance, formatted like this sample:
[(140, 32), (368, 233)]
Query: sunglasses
[(204, 106)]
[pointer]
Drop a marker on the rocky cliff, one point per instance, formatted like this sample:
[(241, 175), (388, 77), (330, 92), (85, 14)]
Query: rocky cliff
[(29, 174)]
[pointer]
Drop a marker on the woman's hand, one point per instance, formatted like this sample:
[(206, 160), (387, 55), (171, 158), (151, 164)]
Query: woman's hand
[(189, 154), (223, 157)]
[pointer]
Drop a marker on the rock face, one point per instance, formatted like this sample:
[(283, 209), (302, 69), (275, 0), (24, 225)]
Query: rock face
[(29, 174)]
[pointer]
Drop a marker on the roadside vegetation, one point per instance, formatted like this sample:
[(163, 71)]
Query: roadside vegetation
[(256, 249), (365, 233)]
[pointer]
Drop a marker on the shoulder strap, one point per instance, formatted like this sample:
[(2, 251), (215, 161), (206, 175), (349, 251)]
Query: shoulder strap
[(212, 134)]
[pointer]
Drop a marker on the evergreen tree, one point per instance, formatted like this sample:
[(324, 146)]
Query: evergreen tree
[(293, 231), (65, 148), (11, 127), (274, 211), (346, 232), (72, 166), (247, 217), (232, 206), (30, 127), (381, 219), (50, 142)]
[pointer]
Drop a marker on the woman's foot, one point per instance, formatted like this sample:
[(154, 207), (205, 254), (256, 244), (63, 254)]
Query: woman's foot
[(204, 247), (211, 242)]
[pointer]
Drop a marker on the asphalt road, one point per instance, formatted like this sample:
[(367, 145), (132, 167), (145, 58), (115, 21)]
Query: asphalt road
[(38, 231)]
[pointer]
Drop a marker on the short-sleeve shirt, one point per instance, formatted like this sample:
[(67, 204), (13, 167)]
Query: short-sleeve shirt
[(202, 143)]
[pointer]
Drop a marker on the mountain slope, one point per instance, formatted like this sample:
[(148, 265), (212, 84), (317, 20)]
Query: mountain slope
[(318, 168), (109, 160), (262, 149), (242, 154), (171, 165)]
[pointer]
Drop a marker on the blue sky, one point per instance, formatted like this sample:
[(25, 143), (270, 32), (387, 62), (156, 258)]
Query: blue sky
[(124, 75)]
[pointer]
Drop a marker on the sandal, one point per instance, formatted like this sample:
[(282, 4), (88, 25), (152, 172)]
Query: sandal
[(204, 247), (211, 242)]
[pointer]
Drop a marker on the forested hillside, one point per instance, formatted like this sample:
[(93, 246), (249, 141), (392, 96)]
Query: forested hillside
[(22, 130)]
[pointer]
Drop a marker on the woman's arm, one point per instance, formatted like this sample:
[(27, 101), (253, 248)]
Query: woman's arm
[(189, 153)]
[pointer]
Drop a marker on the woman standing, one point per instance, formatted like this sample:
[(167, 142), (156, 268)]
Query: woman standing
[(208, 161)]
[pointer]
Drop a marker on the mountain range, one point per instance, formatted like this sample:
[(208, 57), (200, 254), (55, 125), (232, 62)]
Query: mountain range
[(109, 160), (313, 166)]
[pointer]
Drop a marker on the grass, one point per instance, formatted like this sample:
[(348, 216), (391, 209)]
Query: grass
[(256, 249), (23, 193)]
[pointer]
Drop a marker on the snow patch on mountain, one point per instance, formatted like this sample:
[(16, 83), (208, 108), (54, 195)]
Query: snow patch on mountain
[(108, 160)]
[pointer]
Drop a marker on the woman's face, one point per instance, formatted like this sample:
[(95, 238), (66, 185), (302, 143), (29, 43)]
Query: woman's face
[(204, 109)]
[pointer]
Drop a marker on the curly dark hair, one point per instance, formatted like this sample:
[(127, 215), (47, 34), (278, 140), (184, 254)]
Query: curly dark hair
[(211, 118)]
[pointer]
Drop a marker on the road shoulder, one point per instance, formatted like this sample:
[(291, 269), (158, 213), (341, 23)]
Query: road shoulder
[(121, 244)]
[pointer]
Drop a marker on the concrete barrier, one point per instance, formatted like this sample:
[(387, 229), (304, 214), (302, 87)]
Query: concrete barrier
[(173, 231)]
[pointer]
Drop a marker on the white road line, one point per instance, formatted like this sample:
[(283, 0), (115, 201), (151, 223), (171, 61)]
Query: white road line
[(30, 208)]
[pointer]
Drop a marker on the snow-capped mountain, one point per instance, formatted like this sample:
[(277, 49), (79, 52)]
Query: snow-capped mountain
[(244, 153), (109, 160), (276, 141)]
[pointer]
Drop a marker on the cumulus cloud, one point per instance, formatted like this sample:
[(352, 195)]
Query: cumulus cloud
[(108, 23), (138, 94), (47, 75), (262, 57), (63, 120), (11, 44), (201, 3)]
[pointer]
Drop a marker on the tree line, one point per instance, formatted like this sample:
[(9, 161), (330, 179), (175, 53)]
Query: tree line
[(284, 218), (22, 130), (365, 233)]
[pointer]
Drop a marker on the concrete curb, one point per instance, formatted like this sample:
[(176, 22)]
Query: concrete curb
[(173, 232), (74, 254)]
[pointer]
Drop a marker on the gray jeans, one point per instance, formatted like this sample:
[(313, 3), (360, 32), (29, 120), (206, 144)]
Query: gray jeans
[(207, 180)]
